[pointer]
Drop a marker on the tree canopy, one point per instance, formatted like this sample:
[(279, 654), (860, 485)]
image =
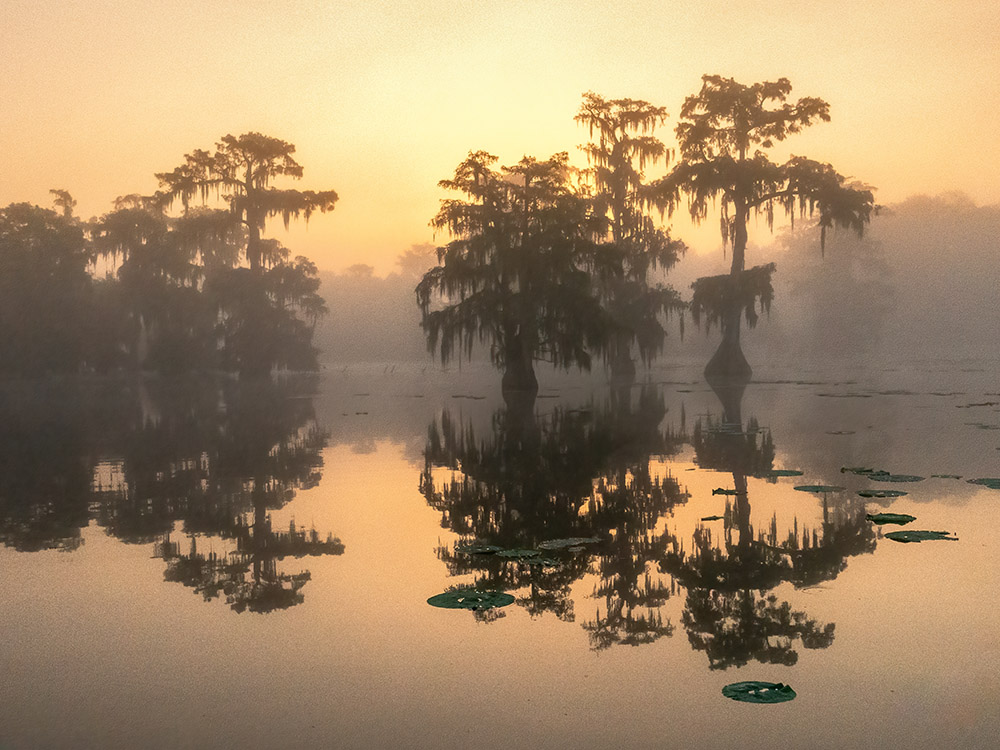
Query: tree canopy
[(516, 275), (622, 146), (724, 134), (240, 171)]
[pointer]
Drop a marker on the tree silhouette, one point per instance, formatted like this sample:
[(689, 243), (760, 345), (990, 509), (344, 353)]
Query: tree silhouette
[(241, 171), (45, 292), (723, 134), (516, 275), (625, 146)]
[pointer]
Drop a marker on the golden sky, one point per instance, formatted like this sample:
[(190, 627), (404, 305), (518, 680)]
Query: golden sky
[(383, 99)]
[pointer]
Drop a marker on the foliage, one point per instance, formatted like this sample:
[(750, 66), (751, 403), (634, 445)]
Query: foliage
[(45, 291), (759, 692), (240, 171), (516, 275), (624, 147), (920, 536)]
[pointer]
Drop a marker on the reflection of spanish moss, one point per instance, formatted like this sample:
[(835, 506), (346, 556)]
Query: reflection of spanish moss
[(728, 612), (144, 455), (735, 627), (248, 576), (575, 473)]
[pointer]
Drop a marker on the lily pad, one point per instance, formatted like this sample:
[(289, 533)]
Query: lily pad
[(712, 518), (471, 599), (477, 548), (859, 470), (544, 562), (884, 476), (573, 541), (818, 488), (920, 536), (882, 493), (723, 491), (753, 691), (992, 482), (899, 518), (779, 473), (518, 554)]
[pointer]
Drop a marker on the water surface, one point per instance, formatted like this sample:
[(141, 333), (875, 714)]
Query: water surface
[(204, 563)]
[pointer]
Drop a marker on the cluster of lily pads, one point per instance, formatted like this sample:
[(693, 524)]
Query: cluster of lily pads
[(475, 599)]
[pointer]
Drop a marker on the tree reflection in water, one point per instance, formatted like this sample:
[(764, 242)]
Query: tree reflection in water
[(215, 456), (603, 472), (571, 473), (729, 612)]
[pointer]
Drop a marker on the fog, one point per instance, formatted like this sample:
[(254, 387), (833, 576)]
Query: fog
[(920, 285)]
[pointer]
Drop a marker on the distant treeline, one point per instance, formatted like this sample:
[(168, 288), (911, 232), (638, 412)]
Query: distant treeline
[(201, 290)]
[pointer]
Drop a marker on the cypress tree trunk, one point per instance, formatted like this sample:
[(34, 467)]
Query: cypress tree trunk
[(728, 362), (519, 371)]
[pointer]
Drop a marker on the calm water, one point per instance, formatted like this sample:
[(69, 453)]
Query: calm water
[(195, 564)]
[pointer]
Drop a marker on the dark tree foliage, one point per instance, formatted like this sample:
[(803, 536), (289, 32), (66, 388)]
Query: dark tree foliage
[(240, 171), (625, 145), (724, 133), (183, 300), (45, 291), (516, 276)]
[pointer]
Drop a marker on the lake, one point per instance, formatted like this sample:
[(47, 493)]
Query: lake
[(196, 563)]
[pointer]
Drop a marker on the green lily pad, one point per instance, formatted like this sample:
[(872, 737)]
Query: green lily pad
[(723, 491), (899, 518), (818, 488), (779, 473), (544, 562), (477, 548), (884, 476), (882, 493), (518, 554), (569, 542), (471, 599), (859, 470), (920, 536), (712, 518), (992, 482), (753, 691)]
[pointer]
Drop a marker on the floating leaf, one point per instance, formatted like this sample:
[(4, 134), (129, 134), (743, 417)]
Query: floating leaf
[(992, 482), (753, 691), (899, 518), (779, 473), (574, 541), (860, 470), (884, 476), (477, 548), (818, 488), (471, 599), (882, 493), (518, 554), (920, 536), (545, 562), (723, 491), (712, 518)]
